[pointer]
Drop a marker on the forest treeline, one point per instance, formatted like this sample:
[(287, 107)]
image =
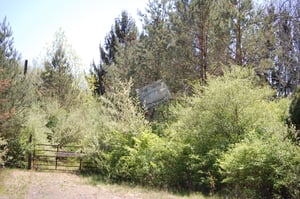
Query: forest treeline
[(231, 129)]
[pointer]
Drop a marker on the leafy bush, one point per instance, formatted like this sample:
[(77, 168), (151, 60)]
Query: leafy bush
[(120, 111), (49, 122), (294, 109), (294, 117), (2, 150), (146, 162), (220, 114), (262, 167), (117, 119)]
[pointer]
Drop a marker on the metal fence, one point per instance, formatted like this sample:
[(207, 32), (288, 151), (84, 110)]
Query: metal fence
[(57, 157)]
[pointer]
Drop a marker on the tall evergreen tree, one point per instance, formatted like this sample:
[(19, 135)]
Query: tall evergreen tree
[(155, 40), (201, 14), (283, 45), (4, 114), (96, 79), (123, 32), (189, 44), (172, 46), (10, 75), (13, 96), (236, 18), (296, 43)]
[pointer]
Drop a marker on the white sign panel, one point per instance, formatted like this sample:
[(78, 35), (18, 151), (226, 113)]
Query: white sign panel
[(154, 94)]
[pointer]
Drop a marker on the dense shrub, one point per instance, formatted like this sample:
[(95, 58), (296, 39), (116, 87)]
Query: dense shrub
[(216, 139), (117, 120), (295, 110), (294, 117), (146, 162), (3, 150), (219, 114), (262, 167)]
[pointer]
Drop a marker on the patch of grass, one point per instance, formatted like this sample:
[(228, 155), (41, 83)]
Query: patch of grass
[(141, 192), (37, 184), (92, 178)]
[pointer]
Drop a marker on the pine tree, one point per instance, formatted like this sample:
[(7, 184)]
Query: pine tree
[(200, 11), (4, 84), (296, 44), (122, 33), (4, 114), (174, 44), (282, 44), (58, 77), (11, 82), (96, 80), (13, 96), (236, 18), (156, 36)]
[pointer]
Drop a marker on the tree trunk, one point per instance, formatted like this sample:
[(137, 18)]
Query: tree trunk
[(239, 56), (202, 58)]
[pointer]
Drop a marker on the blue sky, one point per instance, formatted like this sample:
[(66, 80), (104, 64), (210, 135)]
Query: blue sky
[(85, 23)]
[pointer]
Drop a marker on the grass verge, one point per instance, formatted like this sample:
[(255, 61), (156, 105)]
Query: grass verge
[(143, 192)]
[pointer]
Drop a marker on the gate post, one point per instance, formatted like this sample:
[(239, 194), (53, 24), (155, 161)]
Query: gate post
[(80, 163), (57, 149)]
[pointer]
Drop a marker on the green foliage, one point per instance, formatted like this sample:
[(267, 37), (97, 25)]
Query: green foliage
[(63, 127), (3, 117), (218, 115), (121, 111), (55, 115), (96, 79), (49, 122), (13, 96), (8, 78), (189, 153), (228, 133), (294, 115), (59, 72), (262, 167), (295, 109), (146, 161), (122, 33), (3, 151), (116, 119)]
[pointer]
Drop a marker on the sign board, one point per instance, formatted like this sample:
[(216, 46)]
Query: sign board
[(153, 94)]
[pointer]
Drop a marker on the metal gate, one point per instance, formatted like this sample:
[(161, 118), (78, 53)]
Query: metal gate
[(57, 157)]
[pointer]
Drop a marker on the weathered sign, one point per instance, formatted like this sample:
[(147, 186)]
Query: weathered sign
[(153, 94)]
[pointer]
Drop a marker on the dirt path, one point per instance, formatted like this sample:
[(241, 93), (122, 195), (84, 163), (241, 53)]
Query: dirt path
[(41, 185)]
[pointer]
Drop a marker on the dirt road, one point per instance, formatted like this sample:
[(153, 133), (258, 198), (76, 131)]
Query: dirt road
[(17, 184)]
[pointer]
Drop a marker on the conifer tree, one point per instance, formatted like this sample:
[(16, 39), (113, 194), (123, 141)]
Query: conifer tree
[(3, 117), (152, 56), (282, 43), (12, 91), (236, 18), (4, 114), (13, 97), (174, 43), (96, 80), (123, 32)]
